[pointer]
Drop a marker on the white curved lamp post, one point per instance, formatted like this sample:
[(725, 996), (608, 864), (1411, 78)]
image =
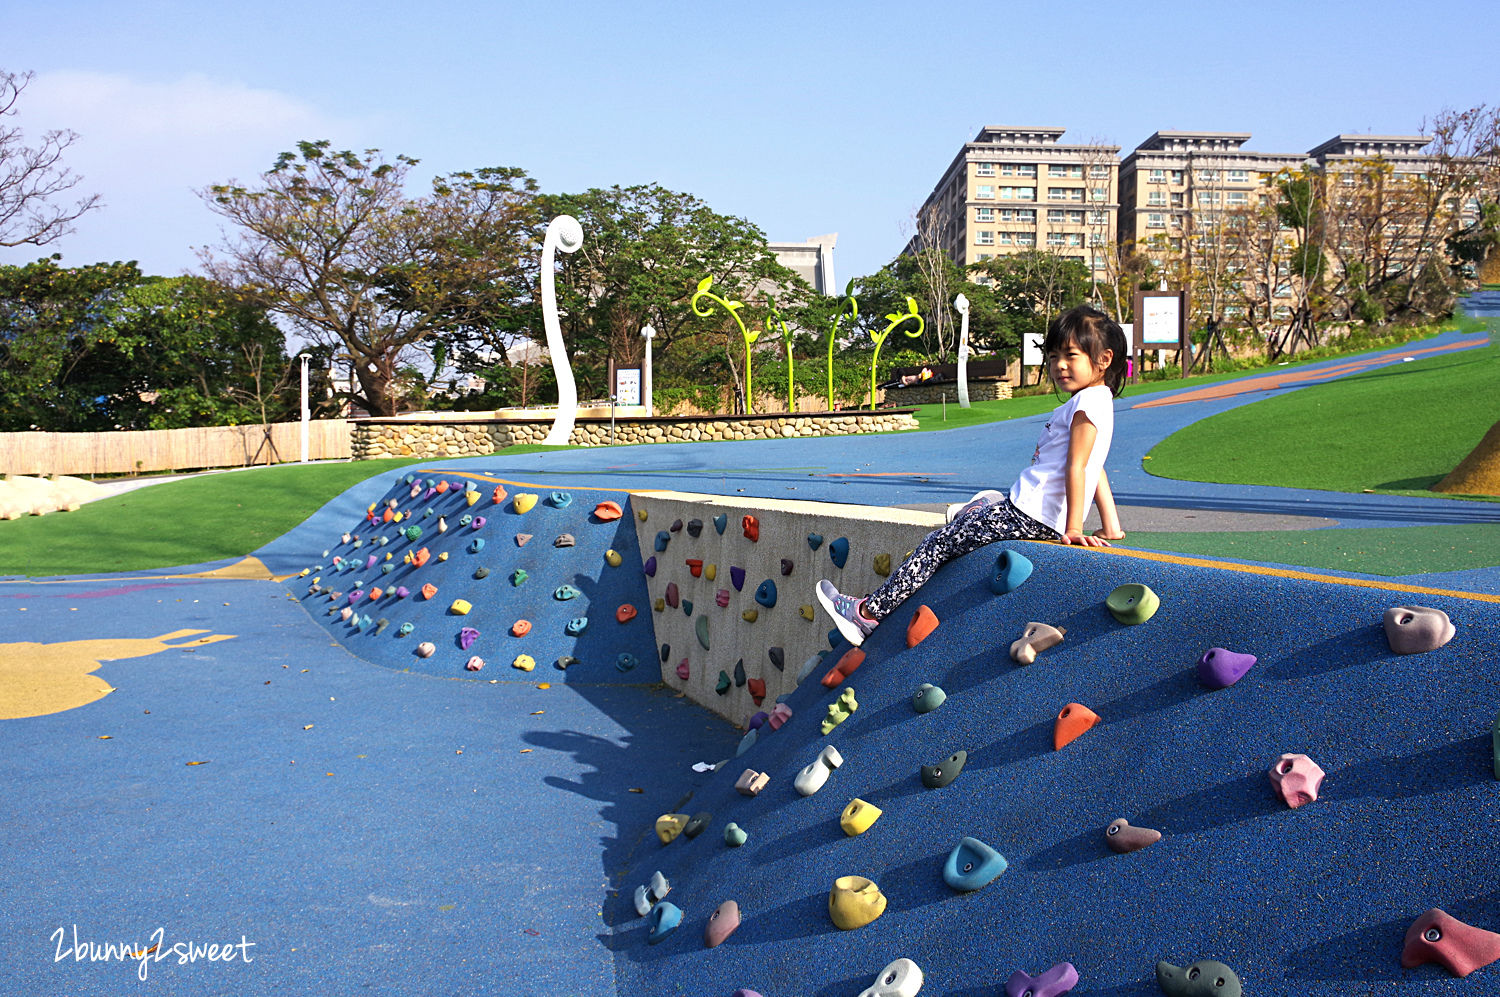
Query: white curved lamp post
[(962, 304), (648, 334), (564, 233)]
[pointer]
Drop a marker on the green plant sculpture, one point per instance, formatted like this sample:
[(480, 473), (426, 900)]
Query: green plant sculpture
[(733, 308), (848, 307), (773, 319), (895, 319)]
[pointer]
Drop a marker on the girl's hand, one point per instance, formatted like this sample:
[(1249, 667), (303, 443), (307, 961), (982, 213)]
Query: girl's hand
[(1106, 535), (1083, 539)]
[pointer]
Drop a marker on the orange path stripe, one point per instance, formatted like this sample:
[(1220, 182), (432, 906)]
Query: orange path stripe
[(1267, 382), (1307, 576)]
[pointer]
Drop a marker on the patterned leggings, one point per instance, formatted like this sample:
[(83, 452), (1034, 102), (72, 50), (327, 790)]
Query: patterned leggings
[(969, 532)]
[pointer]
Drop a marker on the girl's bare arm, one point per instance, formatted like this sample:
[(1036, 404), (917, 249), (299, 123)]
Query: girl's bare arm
[(1081, 439), (1104, 499)]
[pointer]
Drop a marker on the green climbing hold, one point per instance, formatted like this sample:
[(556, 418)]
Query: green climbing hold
[(723, 685), (412, 533), (518, 576), (481, 572), (734, 835), (1132, 603), (927, 698), (702, 630), (687, 607)]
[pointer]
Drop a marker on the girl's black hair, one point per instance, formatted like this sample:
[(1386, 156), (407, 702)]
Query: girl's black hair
[(1093, 332)]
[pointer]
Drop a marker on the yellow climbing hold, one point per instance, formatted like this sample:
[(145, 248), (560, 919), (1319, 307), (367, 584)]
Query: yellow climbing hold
[(398, 517), (525, 662), (641, 513), (614, 558), (854, 902), (471, 496), (710, 571), (750, 615), (858, 817), (460, 607), (525, 502), (882, 564), (807, 611), (669, 826), (659, 605), (443, 556)]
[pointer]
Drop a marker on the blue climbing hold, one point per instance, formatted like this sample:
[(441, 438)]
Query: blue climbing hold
[(834, 637), (766, 593), (662, 536), (1011, 569), (687, 607), (565, 592), (560, 500), (815, 540), (664, 919), (576, 626), (387, 568), (626, 661), (972, 864), (720, 522), (476, 545), (839, 551), (405, 629)]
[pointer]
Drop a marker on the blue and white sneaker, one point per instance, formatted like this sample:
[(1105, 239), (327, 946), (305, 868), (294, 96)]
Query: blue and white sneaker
[(980, 499), (845, 612)]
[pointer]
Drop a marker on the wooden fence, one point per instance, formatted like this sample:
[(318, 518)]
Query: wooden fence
[(133, 452)]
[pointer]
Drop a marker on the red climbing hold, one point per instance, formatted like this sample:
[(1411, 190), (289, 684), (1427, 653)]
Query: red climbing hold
[(752, 528), (852, 659), (1074, 719), (625, 613), (757, 689), (695, 565), (923, 623)]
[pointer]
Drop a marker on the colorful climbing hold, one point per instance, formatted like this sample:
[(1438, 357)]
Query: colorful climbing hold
[(565, 592), (941, 774), (710, 571), (673, 598), (640, 514), (648, 894), (1415, 629), (734, 837), (522, 539), (923, 622), (419, 558), (682, 669), (757, 688), (687, 607), (518, 577), (971, 865), (815, 540), (1121, 837), (739, 672), (474, 664), (429, 590), (737, 578), (613, 558), (524, 662), (669, 826), (405, 630), (659, 604), (765, 593), (520, 628), (1219, 668), (649, 568), (665, 918), (1296, 779), (471, 496), (560, 500), (498, 495), (564, 540), (695, 567), (807, 611), (1205, 978), (476, 545), (565, 662), (724, 684), (460, 607), (1071, 723), (780, 714), (786, 566), (426, 649), (839, 710), (1035, 638), (838, 550), (695, 528), (721, 521), (751, 782), (1132, 603), (608, 511), (524, 502), (778, 658), (902, 978), (1056, 981), (626, 661), (625, 613), (751, 527), (1439, 937), (750, 615), (726, 917), (721, 598), (466, 638), (858, 817), (927, 698), (854, 902), (477, 523), (882, 564), (701, 628), (576, 626), (815, 774), (662, 539), (847, 664)]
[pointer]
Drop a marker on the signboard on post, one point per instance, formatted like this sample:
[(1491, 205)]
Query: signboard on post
[(627, 385), (1160, 320), (1031, 349)]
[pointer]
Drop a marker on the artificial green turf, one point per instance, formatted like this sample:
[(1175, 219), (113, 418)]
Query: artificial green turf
[(205, 518), (1400, 550), (1398, 429)]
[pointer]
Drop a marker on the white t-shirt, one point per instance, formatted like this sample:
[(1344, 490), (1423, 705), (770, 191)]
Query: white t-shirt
[(1041, 490)]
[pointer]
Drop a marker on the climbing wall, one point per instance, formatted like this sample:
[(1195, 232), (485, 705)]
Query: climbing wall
[(463, 576), (1131, 795), (731, 586)]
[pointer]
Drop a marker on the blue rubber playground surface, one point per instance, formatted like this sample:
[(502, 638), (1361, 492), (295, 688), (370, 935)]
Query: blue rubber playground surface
[(221, 762)]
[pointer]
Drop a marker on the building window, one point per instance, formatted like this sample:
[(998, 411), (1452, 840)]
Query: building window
[(1098, 171), (1018, 193), (1098, 194), (1208, 176), (1157, 199), (1179, 200), (1177, 176), (1208, 197), (1096, 239), (984, 237), (986, 191), (984, 214), (1018, 169), (984, 169), (1158, 176), (1065, 170), (1239, 176), (1025, 238), (1006, 238), (1155, 220), (985, 256), (1057, 215), (1099, 263), (1054, 238), (1064, 193), (1097, 217), (1239, 197)]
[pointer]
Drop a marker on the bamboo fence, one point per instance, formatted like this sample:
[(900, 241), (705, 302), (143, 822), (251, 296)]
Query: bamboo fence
[(141, 451)]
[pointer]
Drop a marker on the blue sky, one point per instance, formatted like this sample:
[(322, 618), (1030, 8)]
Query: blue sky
[(803, 117)]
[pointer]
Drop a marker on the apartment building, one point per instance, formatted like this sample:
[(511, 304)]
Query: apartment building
[(1014, 189)]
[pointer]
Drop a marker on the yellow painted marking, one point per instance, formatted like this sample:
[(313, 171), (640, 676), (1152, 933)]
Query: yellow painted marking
[(1306, 576), (245, 569), (40, 679)]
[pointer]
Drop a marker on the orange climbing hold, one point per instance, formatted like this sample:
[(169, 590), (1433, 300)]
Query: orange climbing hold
[(608, 511), (625, 613), (752, 528), (421, 557), (757, 689), (429, 590), (1074, 719), (498, 495), (388, 515), (923, 623), (852, 659), (695, 565), (520, 628)]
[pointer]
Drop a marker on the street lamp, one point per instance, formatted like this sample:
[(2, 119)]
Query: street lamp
[(305, 358), (648, 334)]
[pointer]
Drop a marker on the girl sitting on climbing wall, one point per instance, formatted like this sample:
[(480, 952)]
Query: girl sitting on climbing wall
[(1086, 355)]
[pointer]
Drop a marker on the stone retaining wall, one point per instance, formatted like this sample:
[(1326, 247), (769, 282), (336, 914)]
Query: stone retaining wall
[(375, 438), (932, 394)]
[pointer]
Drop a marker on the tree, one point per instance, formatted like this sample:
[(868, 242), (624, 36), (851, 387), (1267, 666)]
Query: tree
[(33, 178), (102, 347), (939, 282), (330, 242)]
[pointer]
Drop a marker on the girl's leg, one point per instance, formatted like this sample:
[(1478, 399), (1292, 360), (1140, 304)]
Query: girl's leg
[(1000, 521)]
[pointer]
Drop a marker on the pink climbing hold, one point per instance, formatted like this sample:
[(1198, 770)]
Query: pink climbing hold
[(1296, 779), (1439, 937), (780, 714), (474, 664), (721, 597), (682, 669)]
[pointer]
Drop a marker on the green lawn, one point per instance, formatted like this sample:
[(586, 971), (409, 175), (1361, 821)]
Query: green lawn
[(1401, 550), (1398, 429)]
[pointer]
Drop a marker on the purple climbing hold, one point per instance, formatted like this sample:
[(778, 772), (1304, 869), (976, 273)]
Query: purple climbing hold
[(672, 597), (1220, 669), (737, 576), (466, 638), (649, 568), (757, 720), (1058, 980), (786, 566)]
